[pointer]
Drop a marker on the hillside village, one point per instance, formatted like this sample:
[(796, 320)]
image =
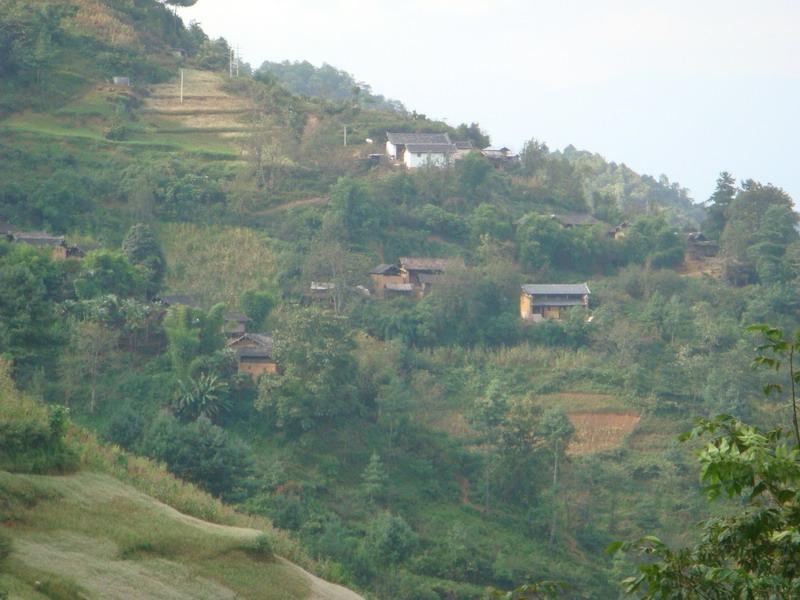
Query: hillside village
[(327, 328)]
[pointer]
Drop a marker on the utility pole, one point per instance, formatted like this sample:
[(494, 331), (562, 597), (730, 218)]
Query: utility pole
[(238, 60), (230, 64), (345, 135), (181, 86)]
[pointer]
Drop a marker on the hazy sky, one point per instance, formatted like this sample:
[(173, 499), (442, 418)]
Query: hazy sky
[(685, 88)]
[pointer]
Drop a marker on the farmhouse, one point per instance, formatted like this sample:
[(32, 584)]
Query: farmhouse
[(235, 323), (254, 354), (412, 277), (419, 149), (545, 301), (43, 240)]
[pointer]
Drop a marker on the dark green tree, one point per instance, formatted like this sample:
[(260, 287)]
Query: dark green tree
[(718, 204), (141, 249), (318, 371)]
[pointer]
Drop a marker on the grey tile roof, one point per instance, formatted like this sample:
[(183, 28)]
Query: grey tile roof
[(429, 264), (418, 138), (556, 289), (37, 238), (431, 148), (384, 269)]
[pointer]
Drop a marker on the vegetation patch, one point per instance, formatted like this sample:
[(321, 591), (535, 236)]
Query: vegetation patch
[(600, 432)]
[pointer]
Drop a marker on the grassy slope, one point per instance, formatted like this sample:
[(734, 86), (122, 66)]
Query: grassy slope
[(100, 538)]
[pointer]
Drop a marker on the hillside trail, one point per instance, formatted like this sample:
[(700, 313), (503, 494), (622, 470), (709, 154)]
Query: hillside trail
[(291, 204)]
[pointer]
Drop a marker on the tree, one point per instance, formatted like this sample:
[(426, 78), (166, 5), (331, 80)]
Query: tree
[(753, 551), (192, 333), (718, 204), (473, 133), (390, 540), (315, 352), (257, 305), (556, 429), (200, 452), (205, 396), (89, 354), (141, 249), (533, 156), (108, 272), (331, 262), (374, 478)]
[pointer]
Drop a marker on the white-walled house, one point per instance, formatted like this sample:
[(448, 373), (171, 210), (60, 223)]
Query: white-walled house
[(420, 149)]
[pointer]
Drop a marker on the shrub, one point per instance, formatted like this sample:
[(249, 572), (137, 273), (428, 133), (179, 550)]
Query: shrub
[(261, 547), (5, 547)]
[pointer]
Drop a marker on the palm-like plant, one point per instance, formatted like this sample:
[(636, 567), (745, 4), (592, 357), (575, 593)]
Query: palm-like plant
[(205, 396)]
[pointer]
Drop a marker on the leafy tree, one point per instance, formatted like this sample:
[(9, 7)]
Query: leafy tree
[(191, 333), (29, 289), (257, 305), (200, 452), (141, 249), (753, 552), (90, 353), (374, 478), (533, 156), (315, 352), (108, 272), (718, 205), (205, 396), (390, 540), (473, 133), (352, 207), (556, 429)]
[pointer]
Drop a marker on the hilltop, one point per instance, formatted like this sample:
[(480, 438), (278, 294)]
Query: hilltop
[(429, 444)]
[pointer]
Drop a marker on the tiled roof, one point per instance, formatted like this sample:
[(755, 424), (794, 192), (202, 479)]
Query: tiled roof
[(429, 264), (556, 289), (431, 148), (419, 138)]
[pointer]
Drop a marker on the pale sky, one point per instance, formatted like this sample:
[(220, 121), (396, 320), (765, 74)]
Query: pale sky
[(684, 88)]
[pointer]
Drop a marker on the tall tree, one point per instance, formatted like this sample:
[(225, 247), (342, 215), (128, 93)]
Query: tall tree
[(142, 249), (315, 352), (717, 205), (88, 356)]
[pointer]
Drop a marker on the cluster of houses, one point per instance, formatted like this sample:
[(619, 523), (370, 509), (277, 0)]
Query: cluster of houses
[(254, 351), (414, 150), (414, 277)]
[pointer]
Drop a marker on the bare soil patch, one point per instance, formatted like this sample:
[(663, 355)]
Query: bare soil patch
[(599, 432)]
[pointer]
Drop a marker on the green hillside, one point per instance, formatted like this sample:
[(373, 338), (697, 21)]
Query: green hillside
[(428, 447)]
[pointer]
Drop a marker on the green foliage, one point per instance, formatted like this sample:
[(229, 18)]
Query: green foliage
[(200, 452), (390, 540), (257, 305), (325, 82), (192, 333), (315, 352), (141, 249), (374, 478), (30, 286), (753, 552), (32, 437), (108, 272), (205, 396)]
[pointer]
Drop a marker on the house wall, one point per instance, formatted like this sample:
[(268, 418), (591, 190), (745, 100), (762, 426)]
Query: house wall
[(413, 160), (256, 369), (379, 282), (551, 312), (525, 306), (391, 150)]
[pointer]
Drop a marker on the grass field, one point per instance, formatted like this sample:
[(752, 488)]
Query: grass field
[(91, 536), (215, 263)]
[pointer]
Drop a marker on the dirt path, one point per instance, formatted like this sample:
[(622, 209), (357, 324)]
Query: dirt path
[(293, 203)]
